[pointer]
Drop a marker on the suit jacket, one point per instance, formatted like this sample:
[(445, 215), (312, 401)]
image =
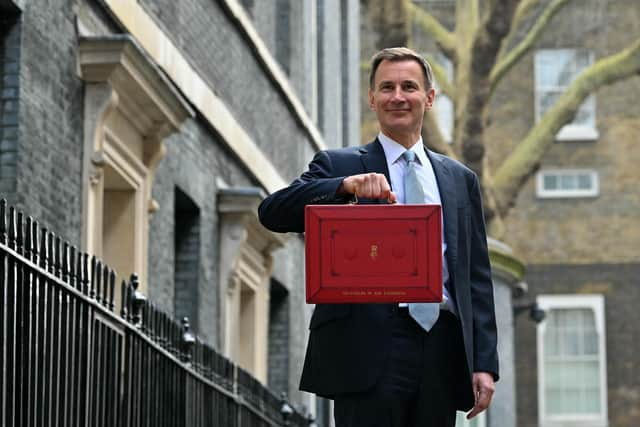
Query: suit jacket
[(349, 343)]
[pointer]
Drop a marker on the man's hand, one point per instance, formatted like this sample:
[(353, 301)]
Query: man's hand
[(483, 388), (368, 186)]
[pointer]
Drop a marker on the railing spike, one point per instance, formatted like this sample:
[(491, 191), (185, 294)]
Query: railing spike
[(85, 273), (65, 262), (34, 242), (163, 330), (44, 258), (175, 339), (3, 221), (105, 285), (73, 272), (151, 321), (12, 227), (92, 292), (112, 289), (166, 325), (57, 253), (98, 281), (156, 323), (28, 238), (50, 253), (20, 234), (144, 317), (151, 317), (124, 297)]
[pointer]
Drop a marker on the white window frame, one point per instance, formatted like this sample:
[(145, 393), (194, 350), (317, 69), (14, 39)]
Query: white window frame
[(544, 193), (570, 131), (442, 101), (595, 303)]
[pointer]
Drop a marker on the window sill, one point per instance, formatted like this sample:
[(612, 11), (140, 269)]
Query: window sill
[(577, 133)]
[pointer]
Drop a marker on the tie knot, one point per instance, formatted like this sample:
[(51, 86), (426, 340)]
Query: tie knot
[(409, 156)]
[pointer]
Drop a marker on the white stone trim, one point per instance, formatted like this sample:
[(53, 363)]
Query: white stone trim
[(275, 72), (151, 37), (245, 265), (595, 303)]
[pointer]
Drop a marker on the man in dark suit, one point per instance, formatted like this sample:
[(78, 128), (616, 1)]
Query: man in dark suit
[(384, 364)]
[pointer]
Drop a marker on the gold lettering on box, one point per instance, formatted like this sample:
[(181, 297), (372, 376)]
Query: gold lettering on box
[(374, 252)]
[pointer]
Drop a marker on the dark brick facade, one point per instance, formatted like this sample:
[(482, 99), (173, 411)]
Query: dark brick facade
[(195, 163), (619, 284), (44, 131), (9, 94), (224, 60), (49, 160)]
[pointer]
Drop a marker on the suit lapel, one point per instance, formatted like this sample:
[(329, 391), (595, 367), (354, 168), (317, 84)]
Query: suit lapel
[(447, 189), (374, 160)]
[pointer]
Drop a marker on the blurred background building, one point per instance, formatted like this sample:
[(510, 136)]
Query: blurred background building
[(575, 222)]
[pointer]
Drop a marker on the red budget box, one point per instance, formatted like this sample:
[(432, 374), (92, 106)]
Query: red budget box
[(373, 253)]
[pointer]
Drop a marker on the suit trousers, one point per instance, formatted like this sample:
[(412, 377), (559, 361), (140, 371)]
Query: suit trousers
[(421, 384)]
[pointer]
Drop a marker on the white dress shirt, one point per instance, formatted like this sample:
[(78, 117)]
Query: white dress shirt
[(396, 164)]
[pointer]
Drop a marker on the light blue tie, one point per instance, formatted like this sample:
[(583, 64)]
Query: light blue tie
[(425, 314)]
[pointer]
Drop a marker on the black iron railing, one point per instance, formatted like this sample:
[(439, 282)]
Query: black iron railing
[(68, 359)]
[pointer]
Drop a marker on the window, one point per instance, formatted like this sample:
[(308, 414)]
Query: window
[(565, 183), (186, 258), (443, 106), (129, 109), (555, 69), (283, 34), (278, 358), (572, 361), (245, 272)]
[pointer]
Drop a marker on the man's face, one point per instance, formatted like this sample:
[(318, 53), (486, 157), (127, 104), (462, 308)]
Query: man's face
[(399, 98)]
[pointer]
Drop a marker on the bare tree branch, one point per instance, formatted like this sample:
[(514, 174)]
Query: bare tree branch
[(495, 26), (512, 58), (443, 37), (526, 158), (522, 12), (440, 74)]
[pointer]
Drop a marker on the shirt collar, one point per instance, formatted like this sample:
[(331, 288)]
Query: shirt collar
[(393, 150)]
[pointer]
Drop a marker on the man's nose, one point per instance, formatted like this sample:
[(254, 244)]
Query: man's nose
[(397, 95)]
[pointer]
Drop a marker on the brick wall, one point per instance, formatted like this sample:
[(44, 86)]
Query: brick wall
[(49, 162), (229, 65), (619, 285), (9, 92), (547, 231), (195, 163)]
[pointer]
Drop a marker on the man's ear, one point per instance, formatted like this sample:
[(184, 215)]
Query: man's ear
[(372, 102), (431, 96)]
